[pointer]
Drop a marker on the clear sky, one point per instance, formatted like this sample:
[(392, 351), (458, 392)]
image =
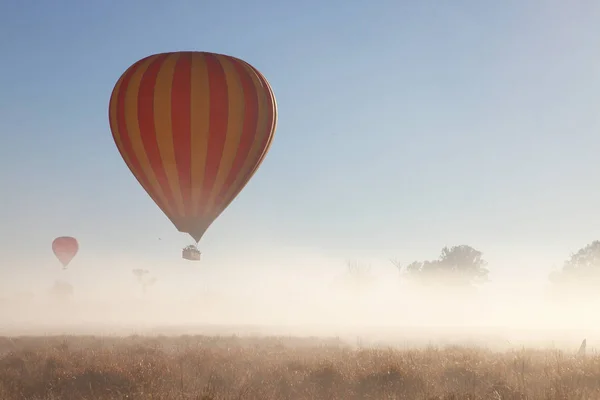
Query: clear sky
[(403, 127)]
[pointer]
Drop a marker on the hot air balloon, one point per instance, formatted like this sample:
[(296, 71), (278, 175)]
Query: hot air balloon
[(65, 248), (193, 128)]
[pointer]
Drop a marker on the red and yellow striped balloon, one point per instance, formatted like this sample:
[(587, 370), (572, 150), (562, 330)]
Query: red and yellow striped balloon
[(193, 128)]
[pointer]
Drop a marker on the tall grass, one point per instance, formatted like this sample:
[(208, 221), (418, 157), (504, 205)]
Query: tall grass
[(278, 368)]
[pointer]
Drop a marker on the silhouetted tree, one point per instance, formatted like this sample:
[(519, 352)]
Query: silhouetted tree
[(581, 269), (458, 266), (144, 279)]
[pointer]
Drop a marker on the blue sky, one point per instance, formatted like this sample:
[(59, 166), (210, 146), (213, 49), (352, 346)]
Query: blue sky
[(403, 127)]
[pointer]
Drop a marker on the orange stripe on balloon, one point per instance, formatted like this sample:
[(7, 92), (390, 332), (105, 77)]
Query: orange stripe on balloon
[(236, 110), (127, 132), (218, 119), (181, 128), (271, 121), (272, 117), (114, 122), (148, 139), (260, 139), (162, 84), (199, 127), (255, 149), (248, 129), (138, 132)]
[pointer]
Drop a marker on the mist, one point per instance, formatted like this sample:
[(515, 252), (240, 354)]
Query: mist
[(324, 299)]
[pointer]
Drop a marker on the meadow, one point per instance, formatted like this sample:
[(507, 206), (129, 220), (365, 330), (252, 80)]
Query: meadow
[(269, 368)]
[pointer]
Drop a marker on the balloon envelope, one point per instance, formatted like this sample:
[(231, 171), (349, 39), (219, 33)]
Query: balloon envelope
[(65, 248), (193, 128)]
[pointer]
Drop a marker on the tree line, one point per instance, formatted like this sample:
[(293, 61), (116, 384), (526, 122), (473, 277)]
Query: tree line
[(464, 266)]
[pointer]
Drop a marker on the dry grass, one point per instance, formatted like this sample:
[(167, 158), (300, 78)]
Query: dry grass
[(209, 368)]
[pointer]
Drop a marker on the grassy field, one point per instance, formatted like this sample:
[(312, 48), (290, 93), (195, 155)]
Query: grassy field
[(207, 368)]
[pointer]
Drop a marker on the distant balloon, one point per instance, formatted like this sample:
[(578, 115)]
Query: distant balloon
[(193, 128), (65, 248)]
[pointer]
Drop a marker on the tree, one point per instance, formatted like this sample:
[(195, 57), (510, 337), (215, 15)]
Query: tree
[(143, 279), (581, 269), (456, 266)]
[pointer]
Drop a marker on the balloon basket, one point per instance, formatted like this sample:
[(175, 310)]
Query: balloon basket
[(191, 253)]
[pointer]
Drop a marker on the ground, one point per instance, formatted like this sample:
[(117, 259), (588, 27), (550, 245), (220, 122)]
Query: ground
[(210, 368)]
